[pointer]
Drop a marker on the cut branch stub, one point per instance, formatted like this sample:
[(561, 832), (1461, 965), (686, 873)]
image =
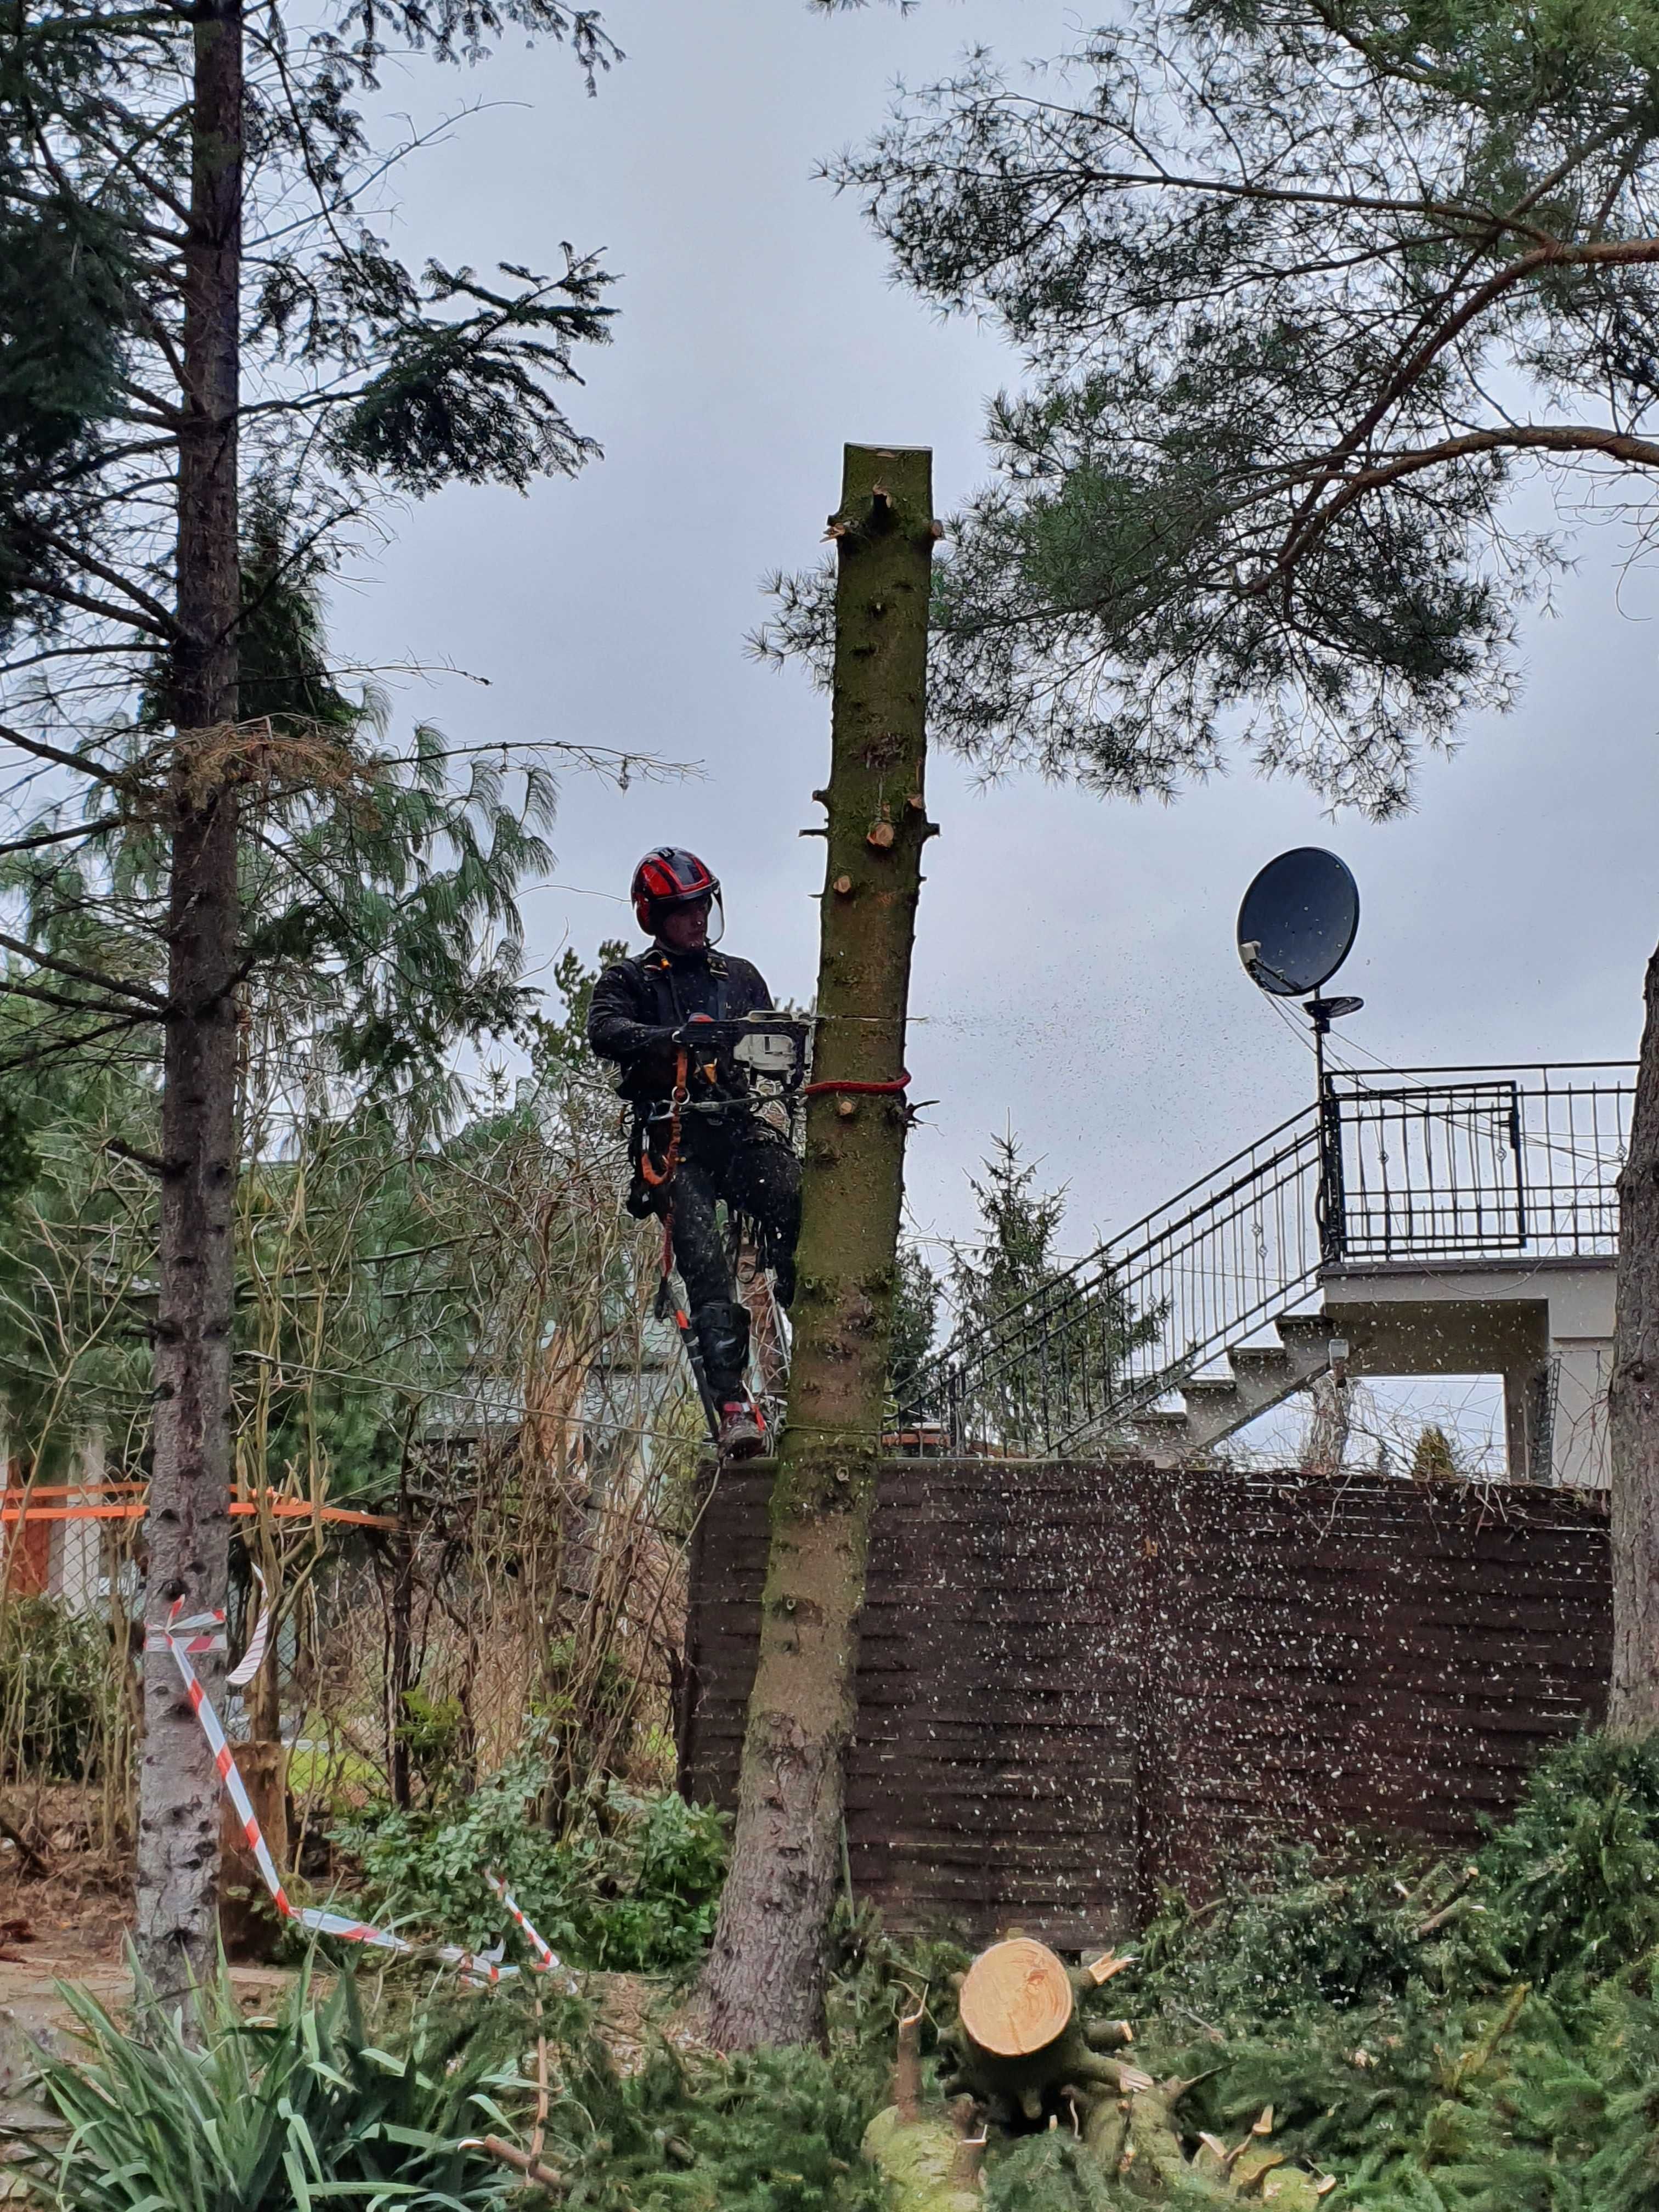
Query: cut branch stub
[(1016, 1999)]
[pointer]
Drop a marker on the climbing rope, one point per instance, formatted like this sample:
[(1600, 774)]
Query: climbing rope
[(660, 1177)]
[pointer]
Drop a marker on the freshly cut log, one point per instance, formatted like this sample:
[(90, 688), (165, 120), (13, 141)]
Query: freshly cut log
[(1016, 1999), (1020, 2055), (1018, 2046)]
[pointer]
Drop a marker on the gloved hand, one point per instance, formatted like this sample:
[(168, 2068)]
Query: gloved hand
[(689, 1034)]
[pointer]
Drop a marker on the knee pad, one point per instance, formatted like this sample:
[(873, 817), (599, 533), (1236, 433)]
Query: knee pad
[(723, 1332)]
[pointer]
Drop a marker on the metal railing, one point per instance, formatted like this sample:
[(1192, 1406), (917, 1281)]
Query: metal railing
[(1442, 1163), (1395, 1166)]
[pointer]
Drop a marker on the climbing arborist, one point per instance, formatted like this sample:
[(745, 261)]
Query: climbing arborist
[(699, 1134)]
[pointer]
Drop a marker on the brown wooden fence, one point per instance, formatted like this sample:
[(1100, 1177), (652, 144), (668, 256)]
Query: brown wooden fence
[(1077, 1684)]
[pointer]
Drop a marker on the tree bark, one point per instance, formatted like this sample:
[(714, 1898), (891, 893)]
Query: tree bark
[(187, 1526), (764, 1979), (1633, 1406)]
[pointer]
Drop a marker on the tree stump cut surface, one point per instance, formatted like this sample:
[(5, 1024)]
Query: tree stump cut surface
[(1016, 1999)]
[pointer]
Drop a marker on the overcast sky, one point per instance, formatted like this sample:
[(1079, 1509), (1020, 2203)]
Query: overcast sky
[(1075, 969)]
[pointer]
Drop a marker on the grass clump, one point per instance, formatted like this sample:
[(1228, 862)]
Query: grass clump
[(201, 2110)]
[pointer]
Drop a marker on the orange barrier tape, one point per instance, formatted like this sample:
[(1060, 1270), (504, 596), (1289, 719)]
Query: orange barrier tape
[(281, 1508), (135, 1512), (72, 1489), (300, 1508)]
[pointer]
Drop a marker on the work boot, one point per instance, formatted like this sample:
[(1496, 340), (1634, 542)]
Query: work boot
[(741, 1436)]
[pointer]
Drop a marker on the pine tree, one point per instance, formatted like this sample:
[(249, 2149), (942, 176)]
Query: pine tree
[(238, 327), (1088, 1331), (917, 1292)]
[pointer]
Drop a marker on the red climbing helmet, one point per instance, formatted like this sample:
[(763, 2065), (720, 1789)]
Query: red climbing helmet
[(671, 877)]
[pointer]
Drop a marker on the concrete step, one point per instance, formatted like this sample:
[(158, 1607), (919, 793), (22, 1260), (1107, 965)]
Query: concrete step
[(1261, 1376)]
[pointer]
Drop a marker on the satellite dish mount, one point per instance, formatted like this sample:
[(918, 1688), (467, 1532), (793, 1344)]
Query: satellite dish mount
[(1297, 926)]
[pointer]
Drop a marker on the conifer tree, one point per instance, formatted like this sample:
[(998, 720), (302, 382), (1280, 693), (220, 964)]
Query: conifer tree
[(188, 179), (1091, 1332)]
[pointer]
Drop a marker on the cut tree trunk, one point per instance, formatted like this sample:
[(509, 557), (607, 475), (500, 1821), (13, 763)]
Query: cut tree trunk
[(764, 1979), (1633, 1406), (187, 1524), (1019, 2047), (1041, 2091)]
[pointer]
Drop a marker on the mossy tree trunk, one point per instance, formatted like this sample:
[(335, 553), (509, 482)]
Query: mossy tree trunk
[(764, 1979), (1633, 1406)]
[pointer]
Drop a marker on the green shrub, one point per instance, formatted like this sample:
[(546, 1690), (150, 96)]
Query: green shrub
[(636, 1890), (1478, 2035), (58, 1678)]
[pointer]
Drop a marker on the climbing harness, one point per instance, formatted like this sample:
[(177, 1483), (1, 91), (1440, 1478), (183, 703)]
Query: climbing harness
[(769, 1046)]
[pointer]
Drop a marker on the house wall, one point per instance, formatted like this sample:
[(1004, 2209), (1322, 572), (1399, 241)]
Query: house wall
[(1077, 1684)]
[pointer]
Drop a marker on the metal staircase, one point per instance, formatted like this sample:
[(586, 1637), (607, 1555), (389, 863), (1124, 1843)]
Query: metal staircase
[(1414, 1165)]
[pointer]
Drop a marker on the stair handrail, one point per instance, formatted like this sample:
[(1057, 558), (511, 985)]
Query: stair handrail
[(1192, 1210), (1224, 1296)]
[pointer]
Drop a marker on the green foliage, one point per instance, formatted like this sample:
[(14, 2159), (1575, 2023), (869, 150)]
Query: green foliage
[(432, 1732), (775, 2131), (1048, 2174), (559, 1044), (19, 1157), (1448, 2038), (633, 1889), (464, 397), (56, 1679), (1301, 293), (1306, 1935), (916, 1293), (1433, 1459), (1569, 1885), (211, 2112), (1013, 1258), (204, 2110)]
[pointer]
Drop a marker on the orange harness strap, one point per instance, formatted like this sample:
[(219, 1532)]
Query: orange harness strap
[(660, 1178)]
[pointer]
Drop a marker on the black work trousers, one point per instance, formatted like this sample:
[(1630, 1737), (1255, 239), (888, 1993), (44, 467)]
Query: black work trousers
[(751, 1167)]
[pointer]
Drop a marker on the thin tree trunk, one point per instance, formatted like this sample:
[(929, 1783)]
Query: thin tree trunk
[(400, 1675), (764, 1979), (1633, 1406), (187, 1526)]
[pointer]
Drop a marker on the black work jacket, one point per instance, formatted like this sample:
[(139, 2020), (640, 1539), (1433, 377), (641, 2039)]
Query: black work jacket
[(638, 1003)]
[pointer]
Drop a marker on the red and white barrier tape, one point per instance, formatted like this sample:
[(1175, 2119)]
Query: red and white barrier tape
[(181, 1638), (547, 1960), (252, 1659), (211, 1636)]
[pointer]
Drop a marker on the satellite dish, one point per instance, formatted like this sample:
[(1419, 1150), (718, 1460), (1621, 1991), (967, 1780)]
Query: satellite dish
[(1299, 922)]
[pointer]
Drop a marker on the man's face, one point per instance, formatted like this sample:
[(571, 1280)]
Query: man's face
[(684, 928)]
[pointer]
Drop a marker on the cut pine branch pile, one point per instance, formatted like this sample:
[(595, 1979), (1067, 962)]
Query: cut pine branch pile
[(1023, 2057)]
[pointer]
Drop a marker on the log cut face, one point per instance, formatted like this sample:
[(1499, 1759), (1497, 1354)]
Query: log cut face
[(1016, 1999), (1020, 2048)]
